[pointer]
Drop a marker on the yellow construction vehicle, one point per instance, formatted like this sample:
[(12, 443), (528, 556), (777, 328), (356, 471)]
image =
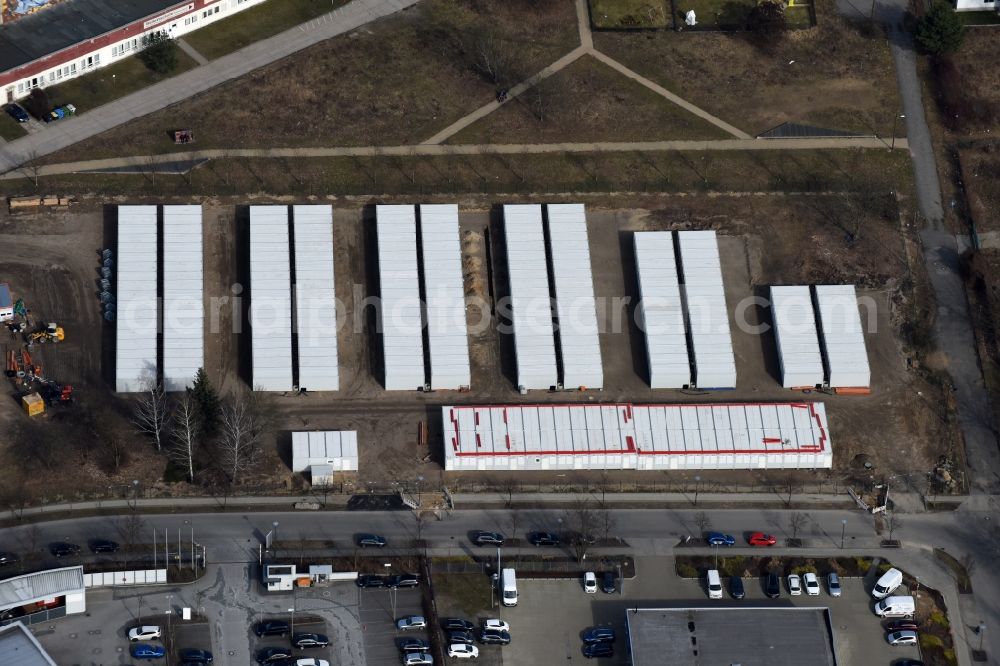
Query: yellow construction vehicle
[(51, 333)]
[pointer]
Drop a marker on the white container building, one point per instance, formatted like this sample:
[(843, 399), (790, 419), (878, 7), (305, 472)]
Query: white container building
[(640, 437), (576, 309), (400, 317), (796, 337), (708, 316), (660, 310), (270, 299), (315, 300), (137, 318), (183, 296), (530, 305), (324, 453), (444, 290), (842, 336)]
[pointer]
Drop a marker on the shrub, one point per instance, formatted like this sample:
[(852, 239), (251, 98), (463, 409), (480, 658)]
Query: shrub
[(732, 566), (938, 618), (863, 564), (940, 31), (804, 569), (159, 53), (882, 568), (930, 641), (685, 570)]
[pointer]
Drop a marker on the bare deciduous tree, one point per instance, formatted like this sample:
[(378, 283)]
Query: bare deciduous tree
[(796, 521), (893, 522), (130, 530), (582, 522), (606, 521), (493, 56), (703, 522), (509, 486), (151, 414), (513, 518), (184, 436), (246, 418)]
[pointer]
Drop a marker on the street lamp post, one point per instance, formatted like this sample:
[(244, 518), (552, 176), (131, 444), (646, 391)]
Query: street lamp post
[(135, 494), (981, 629), (697, 487), (843, 532), (895, 120)]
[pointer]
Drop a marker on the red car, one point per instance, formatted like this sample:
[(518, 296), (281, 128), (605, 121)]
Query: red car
[(901, 625), (761, 539)]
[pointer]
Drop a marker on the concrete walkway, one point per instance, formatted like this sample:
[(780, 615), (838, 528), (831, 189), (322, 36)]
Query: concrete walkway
[(190, 50), (173, 90), (146, 163)]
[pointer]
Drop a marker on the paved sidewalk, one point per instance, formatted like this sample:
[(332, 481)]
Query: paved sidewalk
[(200, 79), (190, 50)]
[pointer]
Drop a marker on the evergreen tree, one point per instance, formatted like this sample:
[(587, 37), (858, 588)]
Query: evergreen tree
[(940, 31), (159, 53), (206, 401)]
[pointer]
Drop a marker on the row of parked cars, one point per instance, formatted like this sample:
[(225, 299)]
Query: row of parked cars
[(394, 582), (17, 112), (281, 655), (460, 636), (142, 649), (772, 585)]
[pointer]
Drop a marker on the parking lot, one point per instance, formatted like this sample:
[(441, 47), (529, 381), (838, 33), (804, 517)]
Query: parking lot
[(379, 608), (551, 615)]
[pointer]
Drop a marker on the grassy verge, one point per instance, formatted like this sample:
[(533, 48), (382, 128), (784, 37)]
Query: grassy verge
[(961, 572), (468, 593), (629, 14), (10, 129), (588, 101), (112, 82), (257, 23), (675, 171), (979, 18)]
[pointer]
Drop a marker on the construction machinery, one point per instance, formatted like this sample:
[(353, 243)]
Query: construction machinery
[(57, 394), (51, 333)]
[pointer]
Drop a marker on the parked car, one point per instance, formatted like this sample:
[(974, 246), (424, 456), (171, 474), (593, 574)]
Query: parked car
[(311, 661), (543, 539), (720, 539), (901, 638), (371, 580), (833, 584), (418, 659), (103, 546), (497, 624), (811, 583), (371, 541), (463, 651), (794, 585), (608, 585), (17, 113), (901, 625), (195, 656), (887, 583), (736, 590), (761, 539), (598, 650), (307, 641), (8, 558), (599, 635), (461, 637), (411, 622), (772, 586), (413, 645), (271, 655), (403, 580), (144, 633), (907, 662), (147, 651), (494, 637), (456, 624), (61, 549), (590, 582), (482, 538), (271, 628)]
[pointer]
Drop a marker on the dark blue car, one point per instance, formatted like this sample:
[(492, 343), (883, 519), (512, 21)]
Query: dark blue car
[(720, 539), (17, 113), (598, 651), (599, 635), (147, 651)]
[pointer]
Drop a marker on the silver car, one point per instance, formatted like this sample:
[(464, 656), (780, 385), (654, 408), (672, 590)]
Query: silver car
[(833, 584), (901, 638), (411, 622)]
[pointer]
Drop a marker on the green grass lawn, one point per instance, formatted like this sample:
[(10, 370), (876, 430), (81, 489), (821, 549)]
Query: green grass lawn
[(10, 129), (105, 85), (625, 14), (257, 23)]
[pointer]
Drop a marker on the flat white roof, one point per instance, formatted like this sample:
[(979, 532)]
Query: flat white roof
[(337, 449), (642, 437), (843, 338), (137, 316), (444, 290), (795, 334), (19, 647), (400, 311), (315, 299), (270, 299), (29, 588), (661, 310), (183, 296), (573, 279), (530, 305)]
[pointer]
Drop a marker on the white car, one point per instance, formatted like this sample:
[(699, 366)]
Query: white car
[(463, 651), (590, 583), (794, 585), (494, 623), (311, 661), (146, 633), (411, 622), (418, 659), (811, 584)]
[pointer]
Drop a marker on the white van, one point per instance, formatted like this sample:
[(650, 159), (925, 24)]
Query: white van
[(508, 587), (895, 607), (887, 584), (714, 584)]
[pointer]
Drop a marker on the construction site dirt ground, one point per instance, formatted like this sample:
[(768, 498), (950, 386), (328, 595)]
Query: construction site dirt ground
[(903, 426)]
